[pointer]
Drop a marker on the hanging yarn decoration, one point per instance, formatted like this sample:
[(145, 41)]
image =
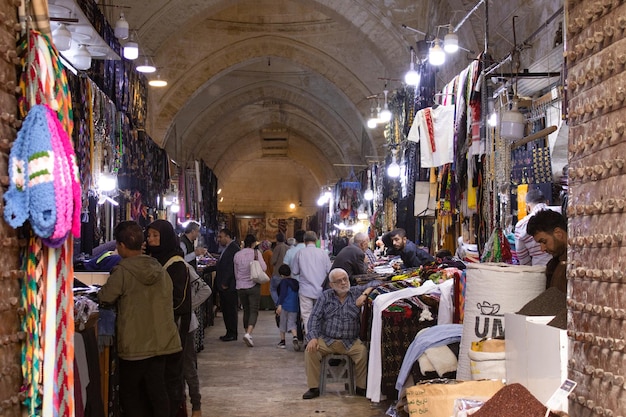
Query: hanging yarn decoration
[(32, 300), (43, 79)]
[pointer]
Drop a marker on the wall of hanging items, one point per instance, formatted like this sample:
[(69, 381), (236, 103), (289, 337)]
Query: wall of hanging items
[(596, 231), (209, 196)]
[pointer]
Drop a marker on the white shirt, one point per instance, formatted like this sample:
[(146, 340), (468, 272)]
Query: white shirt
[(441, 136)]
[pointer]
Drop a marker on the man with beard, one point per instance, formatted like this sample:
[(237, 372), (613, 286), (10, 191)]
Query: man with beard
[(549, 229), (411, 255), (334, 328)]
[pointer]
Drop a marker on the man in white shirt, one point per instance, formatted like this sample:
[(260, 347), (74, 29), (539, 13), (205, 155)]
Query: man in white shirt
[(312, 264), (528, 251), (291, 252)]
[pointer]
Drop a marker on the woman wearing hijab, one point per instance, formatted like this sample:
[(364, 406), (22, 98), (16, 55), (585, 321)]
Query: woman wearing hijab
[(266, 298), (163, 244), (248, 290)]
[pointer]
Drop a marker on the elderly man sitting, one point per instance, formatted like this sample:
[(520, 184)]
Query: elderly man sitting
[(334, 328)]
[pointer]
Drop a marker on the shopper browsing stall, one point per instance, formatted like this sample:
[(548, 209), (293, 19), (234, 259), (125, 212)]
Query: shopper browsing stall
[(411, 255)]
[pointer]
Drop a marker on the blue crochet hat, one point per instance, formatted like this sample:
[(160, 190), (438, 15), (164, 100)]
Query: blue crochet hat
[(32, 196), (16, 197), (41, 172)]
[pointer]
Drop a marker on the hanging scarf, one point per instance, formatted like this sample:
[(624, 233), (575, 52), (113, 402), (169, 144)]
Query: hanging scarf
[(58, 346), (43, 80)]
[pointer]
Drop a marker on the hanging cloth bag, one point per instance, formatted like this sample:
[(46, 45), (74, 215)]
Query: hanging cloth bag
[(256, 272)]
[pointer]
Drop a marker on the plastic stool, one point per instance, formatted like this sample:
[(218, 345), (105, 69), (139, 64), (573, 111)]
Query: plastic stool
[(342, 373)]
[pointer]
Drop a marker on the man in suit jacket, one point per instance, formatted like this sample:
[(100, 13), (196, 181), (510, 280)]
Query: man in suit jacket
[(225, 284)]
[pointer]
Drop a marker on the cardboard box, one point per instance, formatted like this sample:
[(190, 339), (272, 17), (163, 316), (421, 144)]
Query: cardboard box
[(91, 278), (536, 355)]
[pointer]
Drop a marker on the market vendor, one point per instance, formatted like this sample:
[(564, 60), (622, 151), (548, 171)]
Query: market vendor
[(334, 328), (549, 229), (411, 255)]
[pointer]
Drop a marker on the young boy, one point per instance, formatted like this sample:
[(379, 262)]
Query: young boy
[(146, 330), (287, 306)]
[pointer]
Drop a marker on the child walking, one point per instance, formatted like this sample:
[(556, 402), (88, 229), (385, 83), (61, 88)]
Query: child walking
[(287, 306)]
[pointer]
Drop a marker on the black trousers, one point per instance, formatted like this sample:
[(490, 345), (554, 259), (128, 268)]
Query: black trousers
[(143, 390), (229, 302)]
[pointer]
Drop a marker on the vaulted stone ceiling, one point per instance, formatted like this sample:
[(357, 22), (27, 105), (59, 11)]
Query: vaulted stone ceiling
[(273, 94)]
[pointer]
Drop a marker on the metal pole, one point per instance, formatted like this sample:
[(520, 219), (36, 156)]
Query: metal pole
[(458, 26)]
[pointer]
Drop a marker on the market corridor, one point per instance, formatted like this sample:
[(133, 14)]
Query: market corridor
[(263, 381)]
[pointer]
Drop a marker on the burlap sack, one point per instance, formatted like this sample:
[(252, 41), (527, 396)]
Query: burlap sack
[(437, 400)]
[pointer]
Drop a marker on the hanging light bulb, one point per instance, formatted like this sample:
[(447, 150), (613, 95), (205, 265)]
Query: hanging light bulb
[(451, 42), (385, 114), (372, 121), (369, 194), (158, 82), (175, 207), (82, 58), (436, 55), (146, 68), (393, 170), (131, 49), (412, 77), (62, 37), (512, 124), (121, 27)]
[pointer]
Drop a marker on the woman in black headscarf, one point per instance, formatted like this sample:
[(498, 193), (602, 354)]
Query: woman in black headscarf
[(163, 244)]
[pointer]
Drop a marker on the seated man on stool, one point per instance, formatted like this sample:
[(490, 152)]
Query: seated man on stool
[(334, 328)]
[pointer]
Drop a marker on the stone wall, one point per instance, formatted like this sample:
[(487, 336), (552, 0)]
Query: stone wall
[(10, 336), (596, 60)]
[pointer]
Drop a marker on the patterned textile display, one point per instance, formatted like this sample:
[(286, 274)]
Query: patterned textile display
[(198, 335), (401, 321), (542, 165), (58, 369)]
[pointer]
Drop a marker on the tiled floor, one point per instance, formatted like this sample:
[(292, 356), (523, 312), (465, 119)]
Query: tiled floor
[(266, 381)]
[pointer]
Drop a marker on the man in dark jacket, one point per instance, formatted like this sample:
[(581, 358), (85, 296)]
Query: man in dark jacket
[(352, 257), (411, 255), (225, 284)]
